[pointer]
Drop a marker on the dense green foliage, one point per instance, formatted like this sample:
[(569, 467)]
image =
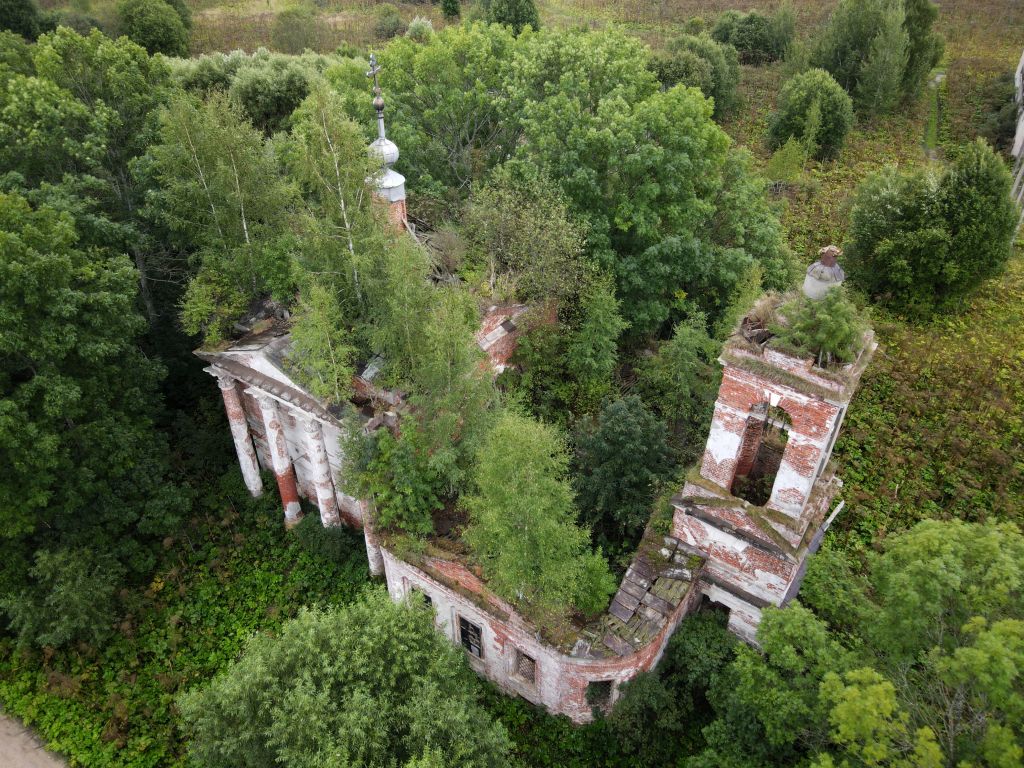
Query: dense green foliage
[(917, 662), (831, 329), (758, 38), (154, 25), (78, 395), (369, 684), (680, 382), (564, 365), (517, 14), (522, 240), (451, 9), (401, 484), (881, 51), (522, 523), (142, 612), (226, 573), (814, 109), (621, 462), (922, 241), (294, 29), (701, 62), (21, 17)]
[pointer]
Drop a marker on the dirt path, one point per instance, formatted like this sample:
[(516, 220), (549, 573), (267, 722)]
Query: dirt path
[(19, 748)]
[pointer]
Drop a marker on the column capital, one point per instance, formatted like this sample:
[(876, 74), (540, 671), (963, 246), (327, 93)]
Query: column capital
[(267, 403), (225, 381), (311, 426)]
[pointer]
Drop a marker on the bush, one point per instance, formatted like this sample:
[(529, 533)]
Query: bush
[(15, 55), (684, 67), (830, 329), (513, 13), (80, 22), (269, 91), (796, 104), (183, 11), (294, 29), (21, 17), (72, 597), (420, 30), (723, 62), (880, 50), (757, 38), (921, 241), (388, 22), (450, 9), (154, 25)]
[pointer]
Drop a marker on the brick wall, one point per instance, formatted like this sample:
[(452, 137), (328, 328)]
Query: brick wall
[(561, 680)]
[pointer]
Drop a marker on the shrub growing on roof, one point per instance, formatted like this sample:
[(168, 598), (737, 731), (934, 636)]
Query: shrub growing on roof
[(829, 329), (796, 104)]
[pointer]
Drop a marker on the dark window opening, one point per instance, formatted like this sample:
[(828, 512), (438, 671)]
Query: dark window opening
[(471, 638), (599, 693), (526, 668), (720, 611), (427, 599), (764, 443)]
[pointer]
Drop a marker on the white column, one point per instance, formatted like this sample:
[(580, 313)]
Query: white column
[(240, 434), (373, 553), (322, 480), (283, 470)]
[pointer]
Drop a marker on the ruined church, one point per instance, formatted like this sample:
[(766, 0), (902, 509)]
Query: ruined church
[(742, 526)]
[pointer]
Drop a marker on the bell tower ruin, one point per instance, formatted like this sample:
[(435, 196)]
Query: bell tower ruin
[(761, 499)]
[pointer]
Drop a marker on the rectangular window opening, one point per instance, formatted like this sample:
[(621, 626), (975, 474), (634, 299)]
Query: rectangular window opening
[(525, 667), (599, 693), (427, 599), (471, 637)]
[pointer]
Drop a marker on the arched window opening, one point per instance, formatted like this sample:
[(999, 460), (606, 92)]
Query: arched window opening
[(764, 442)]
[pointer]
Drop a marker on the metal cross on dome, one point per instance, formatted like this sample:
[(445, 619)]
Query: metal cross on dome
[(378, 100)]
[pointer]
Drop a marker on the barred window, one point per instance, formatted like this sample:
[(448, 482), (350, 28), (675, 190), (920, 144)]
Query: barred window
[(526, 667), (471, 637)]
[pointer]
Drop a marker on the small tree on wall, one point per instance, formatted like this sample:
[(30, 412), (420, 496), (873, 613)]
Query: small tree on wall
[(830, 329), (522, 523)]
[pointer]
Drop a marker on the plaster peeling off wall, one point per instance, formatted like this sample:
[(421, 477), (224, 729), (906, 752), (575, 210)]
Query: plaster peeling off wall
[(561, 680), (735, 560)]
